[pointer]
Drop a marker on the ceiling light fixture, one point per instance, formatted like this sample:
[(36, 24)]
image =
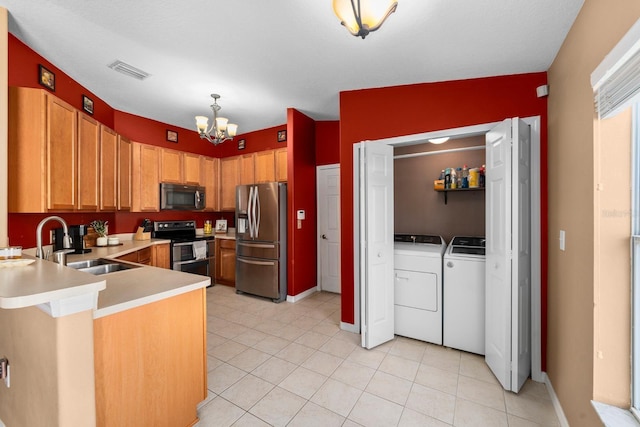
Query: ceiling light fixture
[(441, 140), (221, 130), (361, 20)]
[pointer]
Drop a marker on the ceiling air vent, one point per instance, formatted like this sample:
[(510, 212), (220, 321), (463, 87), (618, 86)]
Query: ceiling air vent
[(126, 69)]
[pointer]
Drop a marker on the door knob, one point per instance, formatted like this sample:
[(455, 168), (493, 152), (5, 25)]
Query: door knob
[(324, 236)]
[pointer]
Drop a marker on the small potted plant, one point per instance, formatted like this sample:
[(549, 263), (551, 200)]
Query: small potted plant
[(100, 227)]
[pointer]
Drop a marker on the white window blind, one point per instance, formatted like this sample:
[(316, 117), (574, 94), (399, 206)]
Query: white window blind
[(616, 81)]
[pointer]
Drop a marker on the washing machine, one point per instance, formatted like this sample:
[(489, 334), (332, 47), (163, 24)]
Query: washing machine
[(464, 294), (418, 286)]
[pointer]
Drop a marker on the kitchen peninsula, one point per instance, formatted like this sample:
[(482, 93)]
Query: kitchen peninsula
[(124, 348)]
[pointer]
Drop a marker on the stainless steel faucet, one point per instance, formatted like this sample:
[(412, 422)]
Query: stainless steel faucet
[(65, 242)]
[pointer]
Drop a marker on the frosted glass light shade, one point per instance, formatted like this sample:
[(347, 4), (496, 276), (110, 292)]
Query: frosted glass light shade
[(202, 123), (232, 129), (372, 14), (221, 123)]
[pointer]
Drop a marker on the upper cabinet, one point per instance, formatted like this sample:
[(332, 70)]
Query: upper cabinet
[(124, 174), (108, 169), (191, 169), (265, 166), (247, 169), (281, 164), (229, 178), (145, 178), (271, 165), (170, 166), (209, 172), (42, 152), (88, 163)]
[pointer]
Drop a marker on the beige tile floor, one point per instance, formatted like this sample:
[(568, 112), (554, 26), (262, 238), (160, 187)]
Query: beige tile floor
[(291, 365)]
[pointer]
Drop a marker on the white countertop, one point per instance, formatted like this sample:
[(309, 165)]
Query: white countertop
[(45, 284), (42, 282)]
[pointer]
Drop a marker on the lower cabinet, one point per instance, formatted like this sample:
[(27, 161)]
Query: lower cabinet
[(154, 255), (226, 262), (160, 256), (142, 256), (150, 363)]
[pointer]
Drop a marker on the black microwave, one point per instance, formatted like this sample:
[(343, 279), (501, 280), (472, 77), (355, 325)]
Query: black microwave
[(181, 197)]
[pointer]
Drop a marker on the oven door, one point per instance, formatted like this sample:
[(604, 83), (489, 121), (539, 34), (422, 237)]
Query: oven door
[(200, 266)]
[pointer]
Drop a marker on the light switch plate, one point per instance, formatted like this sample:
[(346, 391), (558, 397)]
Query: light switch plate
[(562, 240)]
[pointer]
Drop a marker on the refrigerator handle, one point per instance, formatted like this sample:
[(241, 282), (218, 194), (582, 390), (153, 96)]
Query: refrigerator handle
[(249, 218), (257, 217)]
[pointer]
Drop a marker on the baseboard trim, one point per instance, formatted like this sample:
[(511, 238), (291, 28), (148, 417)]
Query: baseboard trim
[(556, 402), (349, 327), (302, 295)]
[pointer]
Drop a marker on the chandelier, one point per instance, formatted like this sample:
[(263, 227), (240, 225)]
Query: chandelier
[(221, 130), (361, 20)]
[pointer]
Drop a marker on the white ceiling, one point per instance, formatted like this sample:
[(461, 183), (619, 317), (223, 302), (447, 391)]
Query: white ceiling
[(265, 56)]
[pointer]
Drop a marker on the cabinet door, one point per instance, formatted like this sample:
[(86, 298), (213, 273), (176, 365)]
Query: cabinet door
[(160, 257), (145, 190), (191, 169), (281, 164), (88, 163), (229, 177), (61, 155), (171, 166), (27, 150), (247, 169), (226, 262), (124, 174), (108, 169), (209, 172), (265, 166)]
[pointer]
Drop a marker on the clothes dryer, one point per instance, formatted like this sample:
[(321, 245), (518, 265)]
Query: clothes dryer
[(418, 286)]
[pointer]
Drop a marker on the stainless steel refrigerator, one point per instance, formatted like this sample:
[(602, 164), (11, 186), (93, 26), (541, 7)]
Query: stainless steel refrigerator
[(261, 240)]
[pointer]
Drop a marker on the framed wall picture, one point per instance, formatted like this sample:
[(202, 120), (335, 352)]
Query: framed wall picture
[(87, 104), (221, 225), (282, 135), (241, 144), (47, 78), (172, 136)]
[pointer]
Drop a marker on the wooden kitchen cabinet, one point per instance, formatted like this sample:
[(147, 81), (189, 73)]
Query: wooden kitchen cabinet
[(108, 169), (150, 363), (229, 179), (124, 173), (160, 256), (141, 256), (42, 152), (88, 147), (191, 169), (281, 164), (145, 179), (209, 173), (226, 262), (247, 169), (170, 166), (265, 166)]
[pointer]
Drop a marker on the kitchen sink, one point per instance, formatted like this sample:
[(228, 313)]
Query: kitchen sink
[(100, 266)]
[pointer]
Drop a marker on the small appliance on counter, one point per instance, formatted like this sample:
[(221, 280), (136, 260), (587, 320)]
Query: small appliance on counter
[(77, 233)]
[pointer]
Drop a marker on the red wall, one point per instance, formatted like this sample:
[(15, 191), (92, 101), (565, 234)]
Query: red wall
[(427, 107), (24, 72), (301, 192), (327, 143)]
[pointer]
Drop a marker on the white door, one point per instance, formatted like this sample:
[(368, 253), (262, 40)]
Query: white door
[(508, 285), (328, 179), (374, 173)]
